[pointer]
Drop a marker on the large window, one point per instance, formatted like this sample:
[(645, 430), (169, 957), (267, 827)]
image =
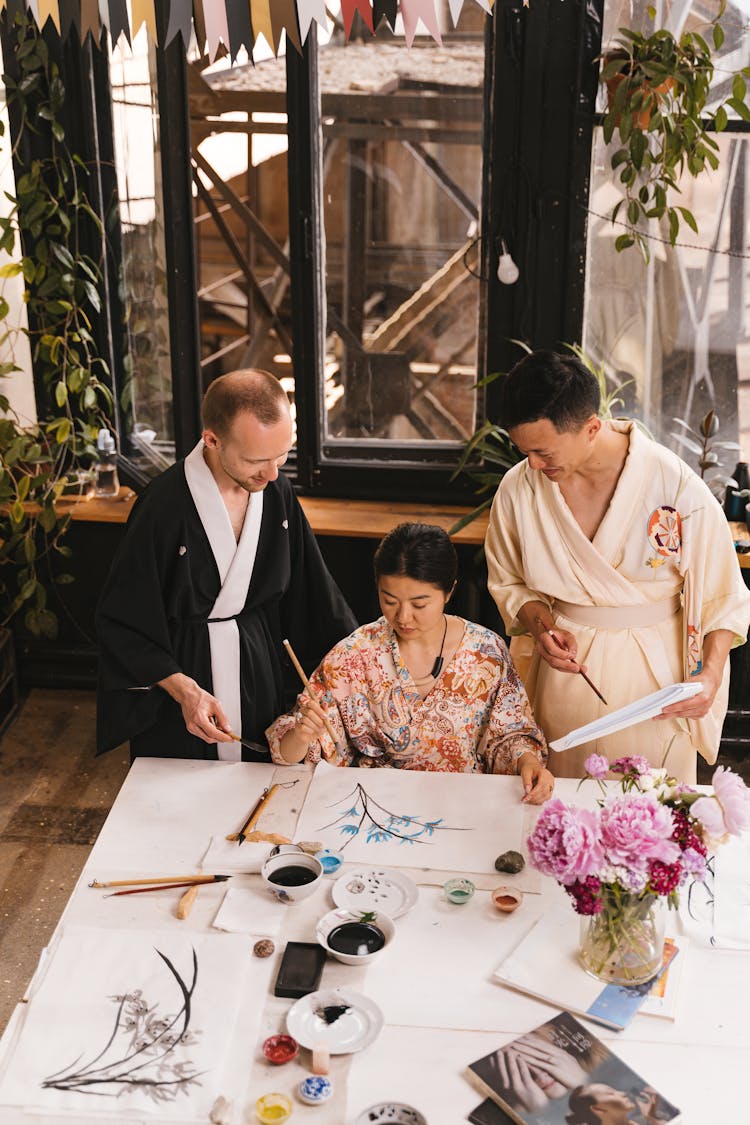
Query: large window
[(678, 327)]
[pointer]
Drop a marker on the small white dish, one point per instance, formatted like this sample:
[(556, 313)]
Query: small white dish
[(391, 1113), (357, 1026), (335, 918), (370, 888)]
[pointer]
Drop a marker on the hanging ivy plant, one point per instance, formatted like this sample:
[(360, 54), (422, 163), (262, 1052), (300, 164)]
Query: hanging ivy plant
[(50, 218)]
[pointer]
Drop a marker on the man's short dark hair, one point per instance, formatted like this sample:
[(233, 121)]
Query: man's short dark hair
[(545, 384), (250, 389)]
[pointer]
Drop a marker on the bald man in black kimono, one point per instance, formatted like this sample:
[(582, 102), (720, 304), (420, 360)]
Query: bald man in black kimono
[(217, 567)]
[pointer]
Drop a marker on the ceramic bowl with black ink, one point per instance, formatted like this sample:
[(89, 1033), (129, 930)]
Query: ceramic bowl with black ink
[(291, 874), (356, 938), (391, 1113)]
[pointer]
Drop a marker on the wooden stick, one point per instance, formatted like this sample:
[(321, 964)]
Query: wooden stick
[(309, 690), (161, 887), (185, 905), (163, 879)]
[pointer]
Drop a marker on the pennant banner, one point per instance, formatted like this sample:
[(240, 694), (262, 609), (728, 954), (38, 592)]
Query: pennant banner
[(309, 10), (217, 30), (233, 23), (349, 7), (412, 12)]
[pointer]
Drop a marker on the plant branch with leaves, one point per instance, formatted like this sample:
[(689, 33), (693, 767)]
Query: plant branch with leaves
[(658, 87), (50, 215)]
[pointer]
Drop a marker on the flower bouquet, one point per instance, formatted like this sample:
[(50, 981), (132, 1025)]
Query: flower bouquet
[(622, 862)]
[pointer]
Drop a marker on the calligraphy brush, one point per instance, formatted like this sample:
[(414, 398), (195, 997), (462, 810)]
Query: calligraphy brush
[(581, 672), (308, 688), (255, 812), (163, 880), (168, 886)]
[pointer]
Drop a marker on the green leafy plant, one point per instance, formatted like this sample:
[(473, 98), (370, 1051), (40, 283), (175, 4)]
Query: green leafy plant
[(658, 87), (704, 445), (47, 217)]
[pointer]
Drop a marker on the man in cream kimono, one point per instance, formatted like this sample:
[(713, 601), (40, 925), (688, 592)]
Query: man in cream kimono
[(615, 558), (217, 567)]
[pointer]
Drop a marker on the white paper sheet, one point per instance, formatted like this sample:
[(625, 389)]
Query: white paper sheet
[(111, 1030), (250, 910), (636, 712), (410, 818), (227, 857)]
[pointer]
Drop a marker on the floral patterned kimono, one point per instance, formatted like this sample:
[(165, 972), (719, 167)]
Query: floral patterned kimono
[(475, 719), (660, 573)]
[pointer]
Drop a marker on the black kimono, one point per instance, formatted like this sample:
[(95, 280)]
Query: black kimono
[(152, 619)]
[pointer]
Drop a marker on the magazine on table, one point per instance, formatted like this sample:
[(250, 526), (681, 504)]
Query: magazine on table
[(561, 1074), (545, 965)]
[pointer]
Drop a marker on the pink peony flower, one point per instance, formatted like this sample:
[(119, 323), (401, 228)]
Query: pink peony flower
[(632, 764), (566, 842), (728, 810), (637, 829), (596, 766)]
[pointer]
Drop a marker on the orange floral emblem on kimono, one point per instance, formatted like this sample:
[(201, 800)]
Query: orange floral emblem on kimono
[(664, 534)]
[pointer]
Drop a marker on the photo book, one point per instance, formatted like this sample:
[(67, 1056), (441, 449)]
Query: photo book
[(561, 1074), (545, 965)]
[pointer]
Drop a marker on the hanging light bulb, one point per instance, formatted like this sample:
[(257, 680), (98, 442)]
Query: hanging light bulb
[(507, 270)]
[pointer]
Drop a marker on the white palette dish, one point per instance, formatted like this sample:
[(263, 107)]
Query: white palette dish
[(373, 888), (354, 1029)]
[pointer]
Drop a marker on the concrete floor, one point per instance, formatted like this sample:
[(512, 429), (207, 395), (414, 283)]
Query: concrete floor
[(54, 797)]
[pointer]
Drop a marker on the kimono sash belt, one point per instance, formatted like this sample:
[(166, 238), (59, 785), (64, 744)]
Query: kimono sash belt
[(621, 617)]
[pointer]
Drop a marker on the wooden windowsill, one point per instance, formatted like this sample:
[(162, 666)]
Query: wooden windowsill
[(347, 519), (350, 519)]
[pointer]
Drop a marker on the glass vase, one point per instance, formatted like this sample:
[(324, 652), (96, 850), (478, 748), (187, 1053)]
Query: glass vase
[(624, 944)]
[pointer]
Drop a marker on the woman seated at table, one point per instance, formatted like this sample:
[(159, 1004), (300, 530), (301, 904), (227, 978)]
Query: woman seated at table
[(418, 689)]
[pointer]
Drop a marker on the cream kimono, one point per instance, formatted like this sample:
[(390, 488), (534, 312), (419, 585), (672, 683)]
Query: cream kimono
[(660, 573)]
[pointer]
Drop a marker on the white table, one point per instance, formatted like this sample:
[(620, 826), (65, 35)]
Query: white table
[(442, 1009)]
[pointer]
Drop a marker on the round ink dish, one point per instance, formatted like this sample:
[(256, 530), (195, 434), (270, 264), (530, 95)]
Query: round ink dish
[(458, 891), (280, 1049), (391, 1113), (315, 1090), (330, 861), (353, 937), (273, 1109)]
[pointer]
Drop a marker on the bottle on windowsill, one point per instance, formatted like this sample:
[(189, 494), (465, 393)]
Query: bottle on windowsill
[(106, 482)]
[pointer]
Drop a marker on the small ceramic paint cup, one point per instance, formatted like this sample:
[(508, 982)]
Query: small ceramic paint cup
[(507, 899), (273, 1109), (458, 891), (315, 1090), (331, 861), (279, 1049), (290, 874)]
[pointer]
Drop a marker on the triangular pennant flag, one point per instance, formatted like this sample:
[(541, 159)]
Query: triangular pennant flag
[(70, 16), (180, 20), (260, 14), (240, 27), (455, 7), (284, 18), (415, 10), (215, 15), (143, 12), (486, 5), (386, 10), (349, 7), (119, 24), (33, 9), (49, 10), (309, 10), (90, 21)]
